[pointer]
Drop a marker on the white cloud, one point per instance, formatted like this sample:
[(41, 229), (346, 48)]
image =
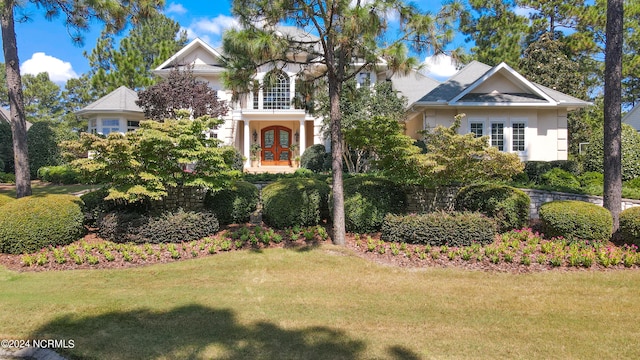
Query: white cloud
[(440, 67), (59, 71), (175, 8), (216, 25)]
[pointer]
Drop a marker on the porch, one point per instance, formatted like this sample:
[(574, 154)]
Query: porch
[(270, 170)]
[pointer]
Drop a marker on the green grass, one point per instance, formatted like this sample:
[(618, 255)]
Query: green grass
[(40, 188), (322, 304)]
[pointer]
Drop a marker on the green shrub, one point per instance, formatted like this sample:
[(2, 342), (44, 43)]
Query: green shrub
[(42, 142), (592, 178), (7, 178), (35, 222), (314, 158), (508, 206), (60, 174), (5, 199), (630, 225), (6, 147), (560, 179), (535, 169), (123, 227), (297, 201), (439, 228), (233, 204), (594, 156), (576, 220), (367, 200), (303, 173), (95, 206)]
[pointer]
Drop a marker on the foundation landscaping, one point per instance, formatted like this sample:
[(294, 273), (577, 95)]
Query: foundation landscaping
[(164, 262)]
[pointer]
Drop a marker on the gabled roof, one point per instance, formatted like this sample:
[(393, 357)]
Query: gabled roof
[(413, 85), (471, 86), (196, 43), (120, 100), (5, 116)]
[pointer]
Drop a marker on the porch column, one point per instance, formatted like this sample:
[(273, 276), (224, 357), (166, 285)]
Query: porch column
[(303, 138), (247, 144)]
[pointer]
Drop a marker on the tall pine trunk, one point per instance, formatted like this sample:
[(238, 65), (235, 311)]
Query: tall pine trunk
[(612, 111), (339, 232), (16, 101)]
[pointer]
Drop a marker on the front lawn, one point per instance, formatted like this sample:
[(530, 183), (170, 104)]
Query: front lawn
[(43, 188), (322, 303)]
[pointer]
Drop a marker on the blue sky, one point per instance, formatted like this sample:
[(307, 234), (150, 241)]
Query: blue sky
[(45, 46)]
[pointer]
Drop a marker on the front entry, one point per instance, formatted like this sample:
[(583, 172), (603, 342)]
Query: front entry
[(275, 146)]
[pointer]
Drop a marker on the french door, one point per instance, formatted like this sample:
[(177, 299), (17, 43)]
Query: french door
[(275, 145)]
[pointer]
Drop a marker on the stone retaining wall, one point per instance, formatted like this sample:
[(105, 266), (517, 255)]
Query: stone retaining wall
[(188, 198), (539, 197)]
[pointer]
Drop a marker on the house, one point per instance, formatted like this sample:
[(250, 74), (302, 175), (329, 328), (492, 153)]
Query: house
[(519, 116), (633, 117), (115, 112), (5, 117)]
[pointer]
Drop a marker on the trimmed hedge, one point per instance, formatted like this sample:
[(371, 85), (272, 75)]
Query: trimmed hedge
[(440, 228), (8, 178), (5, 199), (233, 204), (297, 201), (561, 179), (169, 227), (576, 220), (368, 200), (60, 174), (35, 222), (508, 206), (630, 225), (314, 158)]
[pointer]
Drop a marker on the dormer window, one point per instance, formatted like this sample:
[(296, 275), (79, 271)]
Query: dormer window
[(277, 94)]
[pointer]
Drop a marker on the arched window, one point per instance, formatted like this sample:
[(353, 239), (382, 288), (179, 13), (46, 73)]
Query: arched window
[(277, 91)]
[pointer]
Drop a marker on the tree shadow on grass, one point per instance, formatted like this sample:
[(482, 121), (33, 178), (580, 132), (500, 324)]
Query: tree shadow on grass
[(194, 332)]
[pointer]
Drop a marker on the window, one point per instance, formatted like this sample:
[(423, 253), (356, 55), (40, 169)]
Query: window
[(364, 79), (278, 95), (517, 136), (93, 128), (109, 126), (132, 125), (256, 96), (497, 135), (477, 129)]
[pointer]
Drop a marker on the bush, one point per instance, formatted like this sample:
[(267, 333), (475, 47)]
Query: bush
[(593, 159), (297, 201), (535, 169), (233, 204), (121, 226), (42, 142), (7, 178), (560, 179), (440, 228), (508, 206), (61, 174), (95, 206), (6, 148), (592, 179), (314, 158), (5, 199), (630, 225), (576, 220), (367, 200), (35, 222)]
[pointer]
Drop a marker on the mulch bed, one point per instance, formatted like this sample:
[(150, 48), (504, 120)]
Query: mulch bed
[(154, 254)]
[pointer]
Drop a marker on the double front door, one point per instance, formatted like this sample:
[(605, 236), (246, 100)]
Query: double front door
[(276, 141)]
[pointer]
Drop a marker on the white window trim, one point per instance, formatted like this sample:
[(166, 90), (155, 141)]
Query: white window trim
[(505, 133), (481, 121), (526, 135), (101, 126)]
